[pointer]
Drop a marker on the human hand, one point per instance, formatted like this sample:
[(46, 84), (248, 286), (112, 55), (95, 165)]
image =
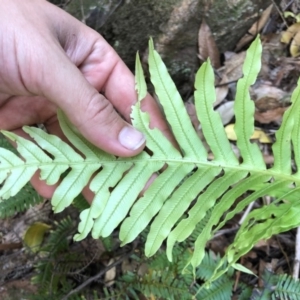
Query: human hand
[(48, 59)]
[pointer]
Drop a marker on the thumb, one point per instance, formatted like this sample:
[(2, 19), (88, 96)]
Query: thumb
[(92, 114)]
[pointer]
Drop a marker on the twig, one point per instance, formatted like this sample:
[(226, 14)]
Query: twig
[(225, 231), (97, 276), (10, 246), (284, 254), (280, 12), (237, 278), (246, 213), (297, 255), (226, 83), (288, 5)]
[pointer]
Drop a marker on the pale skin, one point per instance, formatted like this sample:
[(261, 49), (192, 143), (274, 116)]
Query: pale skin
[(50, 60)]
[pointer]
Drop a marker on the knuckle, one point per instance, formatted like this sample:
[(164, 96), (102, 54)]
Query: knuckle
[(100, 111)]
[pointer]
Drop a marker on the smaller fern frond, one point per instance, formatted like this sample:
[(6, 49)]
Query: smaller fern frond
[(22, 201), (208, 265), (80, 203), (56, 244), (286, 288), (220, 289)]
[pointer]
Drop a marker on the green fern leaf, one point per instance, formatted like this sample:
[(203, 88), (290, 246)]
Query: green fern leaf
[(286, 288), (22, 201), (188, 189), (244, 109), (174, 109), (220, 289), (210, 120)]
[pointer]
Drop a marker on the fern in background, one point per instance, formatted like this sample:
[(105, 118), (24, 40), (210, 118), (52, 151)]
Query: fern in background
[(190, 189), (286, 288), (49, 279), (23, 200), (164, 279)]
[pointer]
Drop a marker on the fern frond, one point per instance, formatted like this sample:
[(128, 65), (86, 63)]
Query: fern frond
[(244, 109), (189, 188), (208, 266), (56, 244), (220, 289), (22, 201), (80, 203), (286, 288)]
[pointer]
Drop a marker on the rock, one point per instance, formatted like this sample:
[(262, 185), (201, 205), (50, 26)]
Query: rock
[(174, 24)]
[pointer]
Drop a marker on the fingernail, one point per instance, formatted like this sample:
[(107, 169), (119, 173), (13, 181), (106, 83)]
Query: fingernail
[(131, 138)]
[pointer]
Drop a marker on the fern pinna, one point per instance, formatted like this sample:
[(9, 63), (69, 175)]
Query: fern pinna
[(187, 181)]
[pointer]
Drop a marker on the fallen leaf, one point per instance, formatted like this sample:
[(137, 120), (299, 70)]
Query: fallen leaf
[(274, 115), (191, 110), (292, 35), (207, 46), (263, 89), (258, 134), (221, 90), (233, 66), (295, 45), (226, 111), (221, 93), (287, 14), (34, 235), (287, 35), (255, 28), (110, 275), (270, 103)]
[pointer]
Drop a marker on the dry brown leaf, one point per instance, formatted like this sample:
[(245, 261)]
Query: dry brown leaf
[(207, 46), (221, 90), (233, 68), (263, 89), (269, 103), (229, 74), (255, 28), (274, 115), (221, 93), (266, 103), (191, 110)]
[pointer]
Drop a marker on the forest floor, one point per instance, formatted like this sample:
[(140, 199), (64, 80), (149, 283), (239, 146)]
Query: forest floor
[(103, 260)]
